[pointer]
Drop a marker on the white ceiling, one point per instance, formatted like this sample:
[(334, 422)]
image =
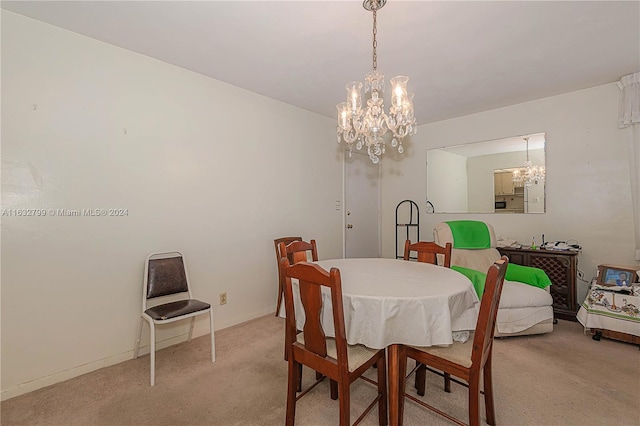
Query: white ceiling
[(461, 57)]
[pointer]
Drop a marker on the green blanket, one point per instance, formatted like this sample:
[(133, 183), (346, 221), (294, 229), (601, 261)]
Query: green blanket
[(523, 274), (470, 234), (477, 278)]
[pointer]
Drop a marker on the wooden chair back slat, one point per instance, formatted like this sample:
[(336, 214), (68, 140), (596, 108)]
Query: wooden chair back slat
[(428, 252), (297, 251), (311, 298)]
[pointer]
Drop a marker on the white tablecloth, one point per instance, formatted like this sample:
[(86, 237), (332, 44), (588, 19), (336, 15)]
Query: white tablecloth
[(388, 301)]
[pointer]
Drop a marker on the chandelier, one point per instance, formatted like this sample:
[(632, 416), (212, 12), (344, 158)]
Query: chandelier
[(367, 126), (530, 174)]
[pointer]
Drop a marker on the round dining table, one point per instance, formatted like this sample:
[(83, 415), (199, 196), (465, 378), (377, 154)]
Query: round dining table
[(389, 303)]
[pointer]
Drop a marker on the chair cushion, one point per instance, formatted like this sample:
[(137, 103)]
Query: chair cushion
[(176, 309), (519, 295), (357, 354), (460, 353)]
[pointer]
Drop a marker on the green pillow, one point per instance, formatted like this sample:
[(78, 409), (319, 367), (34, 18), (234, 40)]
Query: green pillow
[(523, 274), (528, 275)]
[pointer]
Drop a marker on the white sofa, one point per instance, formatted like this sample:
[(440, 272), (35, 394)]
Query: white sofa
[(523, 309)]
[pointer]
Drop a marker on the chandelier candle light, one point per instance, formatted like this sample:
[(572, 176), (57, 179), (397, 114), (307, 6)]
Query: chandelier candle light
[(368, 126), (531, 174)]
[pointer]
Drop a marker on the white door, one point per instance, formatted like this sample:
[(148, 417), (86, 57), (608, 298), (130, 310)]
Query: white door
[(362, 206)]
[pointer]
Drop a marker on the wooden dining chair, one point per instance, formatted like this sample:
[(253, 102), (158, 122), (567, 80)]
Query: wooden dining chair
[(330, 356), (428, 252), (467, 361), (298, 251), (276, 243)]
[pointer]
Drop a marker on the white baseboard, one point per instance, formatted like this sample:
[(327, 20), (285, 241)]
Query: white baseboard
[(61, 376), (244, 318), (199, 330)]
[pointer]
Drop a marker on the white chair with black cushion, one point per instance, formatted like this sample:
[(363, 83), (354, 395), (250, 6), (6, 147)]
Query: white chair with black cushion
[(166, 298)]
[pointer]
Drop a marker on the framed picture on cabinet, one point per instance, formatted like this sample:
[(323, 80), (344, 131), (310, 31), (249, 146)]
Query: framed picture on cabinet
[(617, 275)]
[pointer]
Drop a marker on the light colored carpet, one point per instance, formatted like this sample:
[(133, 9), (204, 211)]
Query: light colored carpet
[(561, 378)]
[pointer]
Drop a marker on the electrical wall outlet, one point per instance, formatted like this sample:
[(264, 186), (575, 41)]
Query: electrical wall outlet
[(223, 298)]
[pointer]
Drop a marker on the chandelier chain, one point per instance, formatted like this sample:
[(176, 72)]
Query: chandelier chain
[(364, 122), (375, 40)]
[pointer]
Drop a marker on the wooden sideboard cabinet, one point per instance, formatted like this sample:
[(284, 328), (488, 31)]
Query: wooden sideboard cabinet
[(562, 269)]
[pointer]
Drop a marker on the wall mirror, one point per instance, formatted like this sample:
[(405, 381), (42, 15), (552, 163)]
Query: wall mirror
[(498, 176)]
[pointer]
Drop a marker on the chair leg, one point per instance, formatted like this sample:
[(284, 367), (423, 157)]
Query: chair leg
[(421, 378), (291, 391), (299, 376), (402, 367), (474, 400), (333, 386), (137, 348), (344, 402), (382, 391), (213, 340), (193, 322), (152, 352), (488, 394)]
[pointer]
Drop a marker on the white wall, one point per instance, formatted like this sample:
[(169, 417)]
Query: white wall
[(588, 188), (449, 184), (203, 167)]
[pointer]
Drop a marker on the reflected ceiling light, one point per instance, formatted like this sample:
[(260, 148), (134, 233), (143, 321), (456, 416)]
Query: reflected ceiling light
[(530, 174), (367, 126)]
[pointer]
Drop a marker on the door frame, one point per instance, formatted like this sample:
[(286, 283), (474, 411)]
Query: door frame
[(344, 202)]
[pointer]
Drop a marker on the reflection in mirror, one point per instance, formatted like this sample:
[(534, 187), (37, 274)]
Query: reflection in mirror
[(498, 176)]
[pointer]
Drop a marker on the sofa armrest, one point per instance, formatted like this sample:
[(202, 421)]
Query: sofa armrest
[(480, 260)]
